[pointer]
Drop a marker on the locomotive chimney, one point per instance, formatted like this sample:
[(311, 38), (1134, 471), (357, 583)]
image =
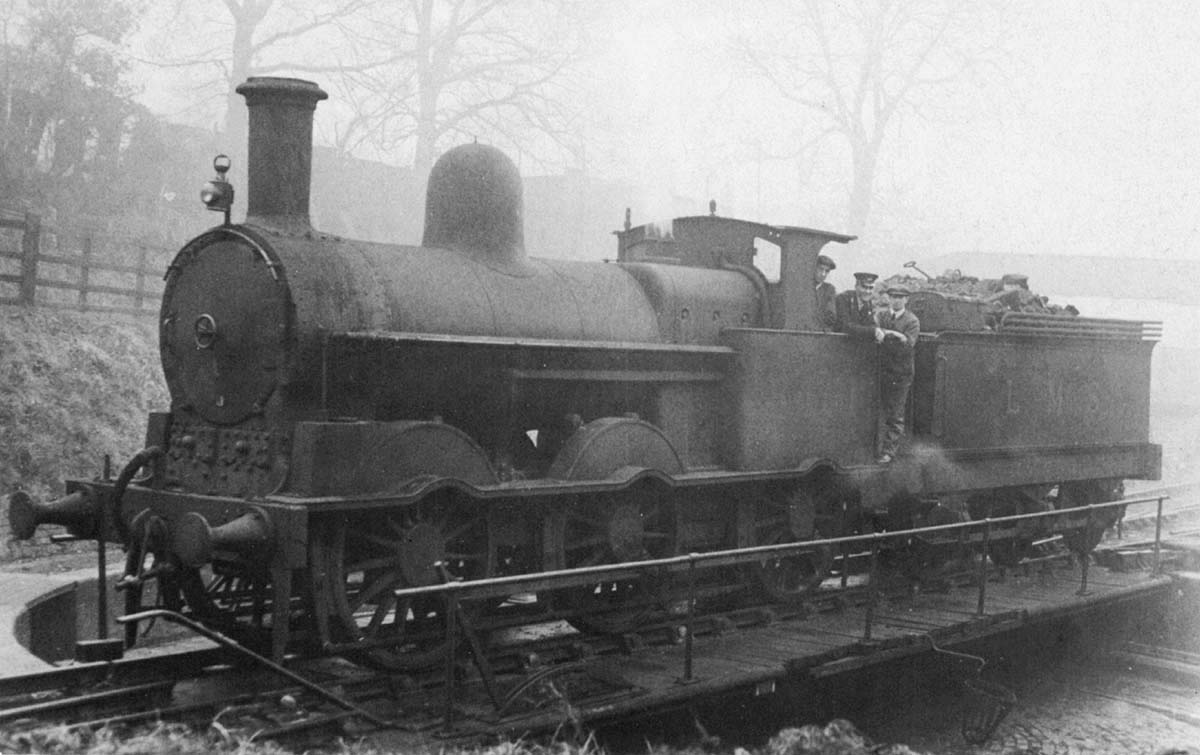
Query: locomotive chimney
[(279, 165)]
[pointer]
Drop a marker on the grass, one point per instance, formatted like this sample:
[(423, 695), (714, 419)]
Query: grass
[(73, 387), (839, 737)]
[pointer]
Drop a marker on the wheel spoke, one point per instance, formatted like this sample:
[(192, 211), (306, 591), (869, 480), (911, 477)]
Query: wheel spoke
[(591, 542), (373, 564), (381, 612), (396, 526), (462, 529), (770, 523), (365, 560), (594, 558), (791, 577), (639, 527), (396, 628), (389, 546), (589, 521), (466, 556), (377, 586)]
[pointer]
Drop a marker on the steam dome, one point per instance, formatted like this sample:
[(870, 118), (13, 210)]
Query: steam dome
[(474, 204)]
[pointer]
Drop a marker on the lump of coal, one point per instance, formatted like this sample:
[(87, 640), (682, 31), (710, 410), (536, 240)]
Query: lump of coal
[(953, 301)]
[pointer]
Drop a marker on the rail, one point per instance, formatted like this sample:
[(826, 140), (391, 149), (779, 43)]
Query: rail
[(456, 592), (496, 587), (1037, 324), (225, 642)]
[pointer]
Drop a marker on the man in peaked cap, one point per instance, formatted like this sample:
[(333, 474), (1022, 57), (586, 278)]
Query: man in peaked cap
[(856, 309), (826, 314), (898, 338)]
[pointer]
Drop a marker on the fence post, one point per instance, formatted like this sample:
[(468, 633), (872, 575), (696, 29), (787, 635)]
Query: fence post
[(141, 277), (85, 269), (30, 246)]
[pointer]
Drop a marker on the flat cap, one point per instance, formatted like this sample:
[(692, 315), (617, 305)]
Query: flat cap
[(866, 277), (1014, 278), (899, 289), (824, 261)]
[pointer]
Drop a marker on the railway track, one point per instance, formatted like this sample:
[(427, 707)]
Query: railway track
[(197, 688), (528, 667), (525, 669), (249, 695)]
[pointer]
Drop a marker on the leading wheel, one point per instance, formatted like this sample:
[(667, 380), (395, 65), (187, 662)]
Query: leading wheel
[(359, 563)]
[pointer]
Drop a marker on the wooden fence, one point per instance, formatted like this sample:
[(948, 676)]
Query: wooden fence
[(80, 269)]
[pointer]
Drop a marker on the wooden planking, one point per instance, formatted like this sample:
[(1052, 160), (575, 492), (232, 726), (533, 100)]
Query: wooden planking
[(767, 650), (801, 633), (752, 659), (925, 622), (762, 652), (1035, 595), (849, 626)]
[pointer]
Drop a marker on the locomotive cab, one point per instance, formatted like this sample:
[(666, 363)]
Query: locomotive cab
[(782, 277)]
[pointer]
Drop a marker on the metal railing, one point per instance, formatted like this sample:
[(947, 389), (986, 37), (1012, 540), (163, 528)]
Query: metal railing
[(498, 587), (1039, 324)]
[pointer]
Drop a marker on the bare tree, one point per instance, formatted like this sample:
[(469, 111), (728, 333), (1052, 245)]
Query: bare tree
[(854, 69), (243, 38), (404, 73), (468, 68)]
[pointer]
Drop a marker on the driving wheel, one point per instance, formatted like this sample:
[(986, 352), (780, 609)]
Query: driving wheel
[(791, 577), (632, 526), (359, 563)]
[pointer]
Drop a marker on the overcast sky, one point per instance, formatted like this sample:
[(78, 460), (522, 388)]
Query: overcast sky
[(1102, 157), (1090, 147)]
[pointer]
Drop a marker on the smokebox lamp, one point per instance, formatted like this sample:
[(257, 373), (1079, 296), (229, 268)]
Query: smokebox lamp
[(217, 194)]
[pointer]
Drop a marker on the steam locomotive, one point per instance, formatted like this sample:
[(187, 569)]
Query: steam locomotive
[(351, 418)]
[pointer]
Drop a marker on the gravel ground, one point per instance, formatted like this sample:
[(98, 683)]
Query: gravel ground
[(1062, 711), (1069, 707)]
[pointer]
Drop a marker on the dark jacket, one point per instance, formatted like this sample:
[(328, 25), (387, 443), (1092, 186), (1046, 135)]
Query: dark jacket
[(896, 356), (853, 316)]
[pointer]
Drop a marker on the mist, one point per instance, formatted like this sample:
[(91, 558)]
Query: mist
[(1061, 128), (1056, 138)]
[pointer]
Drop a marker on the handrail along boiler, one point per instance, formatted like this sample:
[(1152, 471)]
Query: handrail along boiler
[(349, 419)]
